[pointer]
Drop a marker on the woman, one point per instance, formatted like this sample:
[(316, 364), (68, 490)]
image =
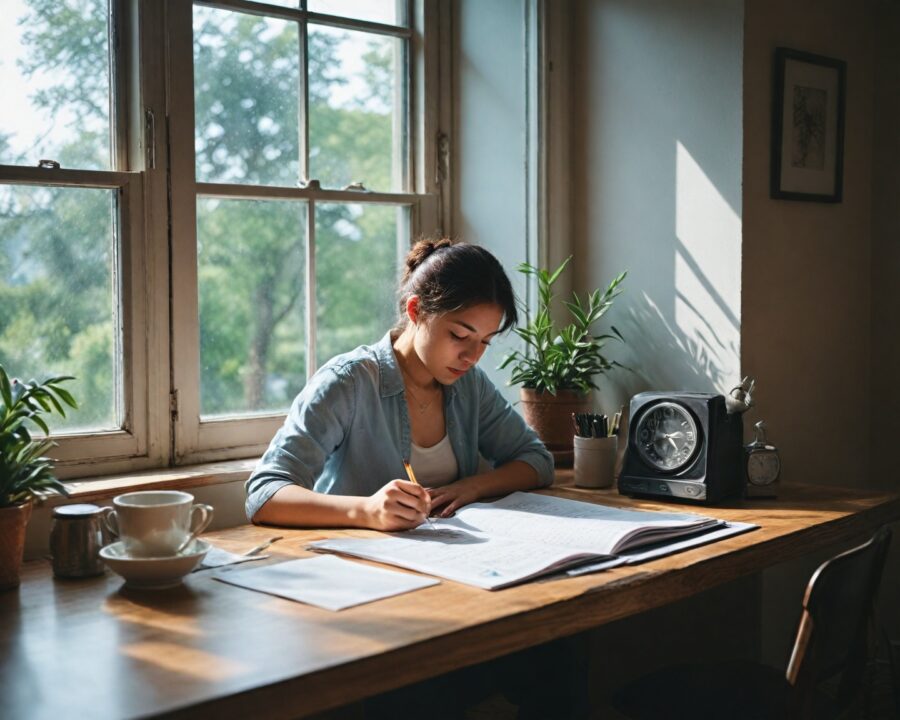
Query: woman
[(415, 396)]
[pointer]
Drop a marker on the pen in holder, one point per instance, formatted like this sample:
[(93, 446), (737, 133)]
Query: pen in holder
[(596, 442)]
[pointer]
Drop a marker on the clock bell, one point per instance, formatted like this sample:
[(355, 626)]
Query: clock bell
[(684, 446)]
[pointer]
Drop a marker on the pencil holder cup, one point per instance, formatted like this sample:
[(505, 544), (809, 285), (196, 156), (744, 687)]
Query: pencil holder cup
[(595, 459)]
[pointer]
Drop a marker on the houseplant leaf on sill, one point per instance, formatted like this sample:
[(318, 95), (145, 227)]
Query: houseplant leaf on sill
[(558, 366), (26, 475)]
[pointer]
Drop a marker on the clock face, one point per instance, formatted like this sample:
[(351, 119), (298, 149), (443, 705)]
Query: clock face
[(666, 436), (763, 467)]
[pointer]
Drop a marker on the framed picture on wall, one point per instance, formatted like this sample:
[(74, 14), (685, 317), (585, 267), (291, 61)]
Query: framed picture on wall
[(807, 127)]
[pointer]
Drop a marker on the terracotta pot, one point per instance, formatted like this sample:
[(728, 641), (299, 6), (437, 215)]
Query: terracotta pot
[(13, 520), (551, 417)]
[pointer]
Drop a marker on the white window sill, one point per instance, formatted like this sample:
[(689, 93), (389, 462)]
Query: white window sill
[(171, 478)]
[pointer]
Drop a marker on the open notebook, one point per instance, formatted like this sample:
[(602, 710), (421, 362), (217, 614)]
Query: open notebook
[(523, 536)]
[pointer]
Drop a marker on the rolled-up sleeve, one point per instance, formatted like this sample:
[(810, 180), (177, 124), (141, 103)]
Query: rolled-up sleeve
[(318, 420), (503, 436)]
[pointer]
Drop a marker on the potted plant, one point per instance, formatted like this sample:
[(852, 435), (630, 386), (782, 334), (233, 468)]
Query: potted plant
[(25, 474), (557, 366)]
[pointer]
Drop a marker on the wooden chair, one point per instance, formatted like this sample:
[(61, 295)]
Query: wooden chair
[(831, 646)]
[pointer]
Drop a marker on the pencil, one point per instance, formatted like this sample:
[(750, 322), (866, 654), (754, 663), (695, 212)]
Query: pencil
[(412, 478)]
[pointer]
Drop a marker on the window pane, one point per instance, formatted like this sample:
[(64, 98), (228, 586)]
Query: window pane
[(246, 95), (357, 251), (355, 126), (251, 257), (56, 295), (383, 11), (54, 72)]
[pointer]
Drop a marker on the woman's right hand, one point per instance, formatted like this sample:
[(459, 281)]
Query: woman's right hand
[(399, 505)]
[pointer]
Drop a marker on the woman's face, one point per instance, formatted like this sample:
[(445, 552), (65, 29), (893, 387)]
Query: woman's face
[(451, 344)]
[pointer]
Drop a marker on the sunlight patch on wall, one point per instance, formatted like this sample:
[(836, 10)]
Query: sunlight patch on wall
[(707, 268)]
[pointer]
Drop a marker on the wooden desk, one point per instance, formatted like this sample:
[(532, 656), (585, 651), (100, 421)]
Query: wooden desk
[(91, 649)]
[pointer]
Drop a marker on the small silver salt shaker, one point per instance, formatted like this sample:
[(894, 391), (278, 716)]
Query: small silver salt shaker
[(76, 536)]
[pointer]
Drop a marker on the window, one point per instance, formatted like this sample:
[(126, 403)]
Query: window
[(228, 191), (70, 230)]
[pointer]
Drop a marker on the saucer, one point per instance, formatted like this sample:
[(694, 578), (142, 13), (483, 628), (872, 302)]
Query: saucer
[(153, 572)]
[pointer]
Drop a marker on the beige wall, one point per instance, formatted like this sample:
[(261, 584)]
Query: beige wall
[(820, 290), (821, 294), (806, 322)]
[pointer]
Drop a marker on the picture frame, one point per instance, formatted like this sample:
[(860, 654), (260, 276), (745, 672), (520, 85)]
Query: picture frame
[(807, 127)]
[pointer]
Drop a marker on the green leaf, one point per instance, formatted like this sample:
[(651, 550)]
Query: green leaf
[(41, 399), (66, 397), (5, 388), (56, 379), (39, 421), (575, 309), (558, 271)]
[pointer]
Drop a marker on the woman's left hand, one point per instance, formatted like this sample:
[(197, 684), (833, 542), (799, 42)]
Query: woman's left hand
[(447, 499)]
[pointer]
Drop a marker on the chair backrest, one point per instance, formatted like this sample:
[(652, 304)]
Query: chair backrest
[(832, 638)]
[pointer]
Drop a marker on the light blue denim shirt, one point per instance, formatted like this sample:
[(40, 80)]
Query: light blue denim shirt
[(347, 432)]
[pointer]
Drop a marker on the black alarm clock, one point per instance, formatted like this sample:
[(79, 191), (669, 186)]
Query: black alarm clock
[(683, 445)]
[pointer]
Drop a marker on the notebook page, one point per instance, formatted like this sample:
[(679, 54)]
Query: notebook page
[(488, 562), (569, 523)]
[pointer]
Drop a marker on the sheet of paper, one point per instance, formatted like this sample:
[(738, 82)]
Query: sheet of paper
[(217, 557), (471, 558), (327, 582), (570, 523)]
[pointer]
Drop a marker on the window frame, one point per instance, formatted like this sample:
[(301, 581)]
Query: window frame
[(154, 177), (198, 439), (140, 443), (129, 319)]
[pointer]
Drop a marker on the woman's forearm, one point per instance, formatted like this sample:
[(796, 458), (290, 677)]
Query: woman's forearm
[(296, 506), (516, 475)]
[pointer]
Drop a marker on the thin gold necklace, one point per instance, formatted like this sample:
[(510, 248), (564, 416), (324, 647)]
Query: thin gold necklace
[(409, 386)]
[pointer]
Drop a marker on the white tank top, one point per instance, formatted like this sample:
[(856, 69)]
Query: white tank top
[(436, 465)]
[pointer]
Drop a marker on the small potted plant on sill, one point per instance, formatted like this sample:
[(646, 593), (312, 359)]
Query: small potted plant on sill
[(26, 476), (557, 367)]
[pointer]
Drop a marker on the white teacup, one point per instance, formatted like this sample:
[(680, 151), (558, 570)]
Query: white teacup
[(156, 523)]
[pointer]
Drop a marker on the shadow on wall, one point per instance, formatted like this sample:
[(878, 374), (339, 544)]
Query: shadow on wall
[(670, 359)]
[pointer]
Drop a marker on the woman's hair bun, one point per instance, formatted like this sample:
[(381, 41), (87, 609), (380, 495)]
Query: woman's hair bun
[(421, 251)]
